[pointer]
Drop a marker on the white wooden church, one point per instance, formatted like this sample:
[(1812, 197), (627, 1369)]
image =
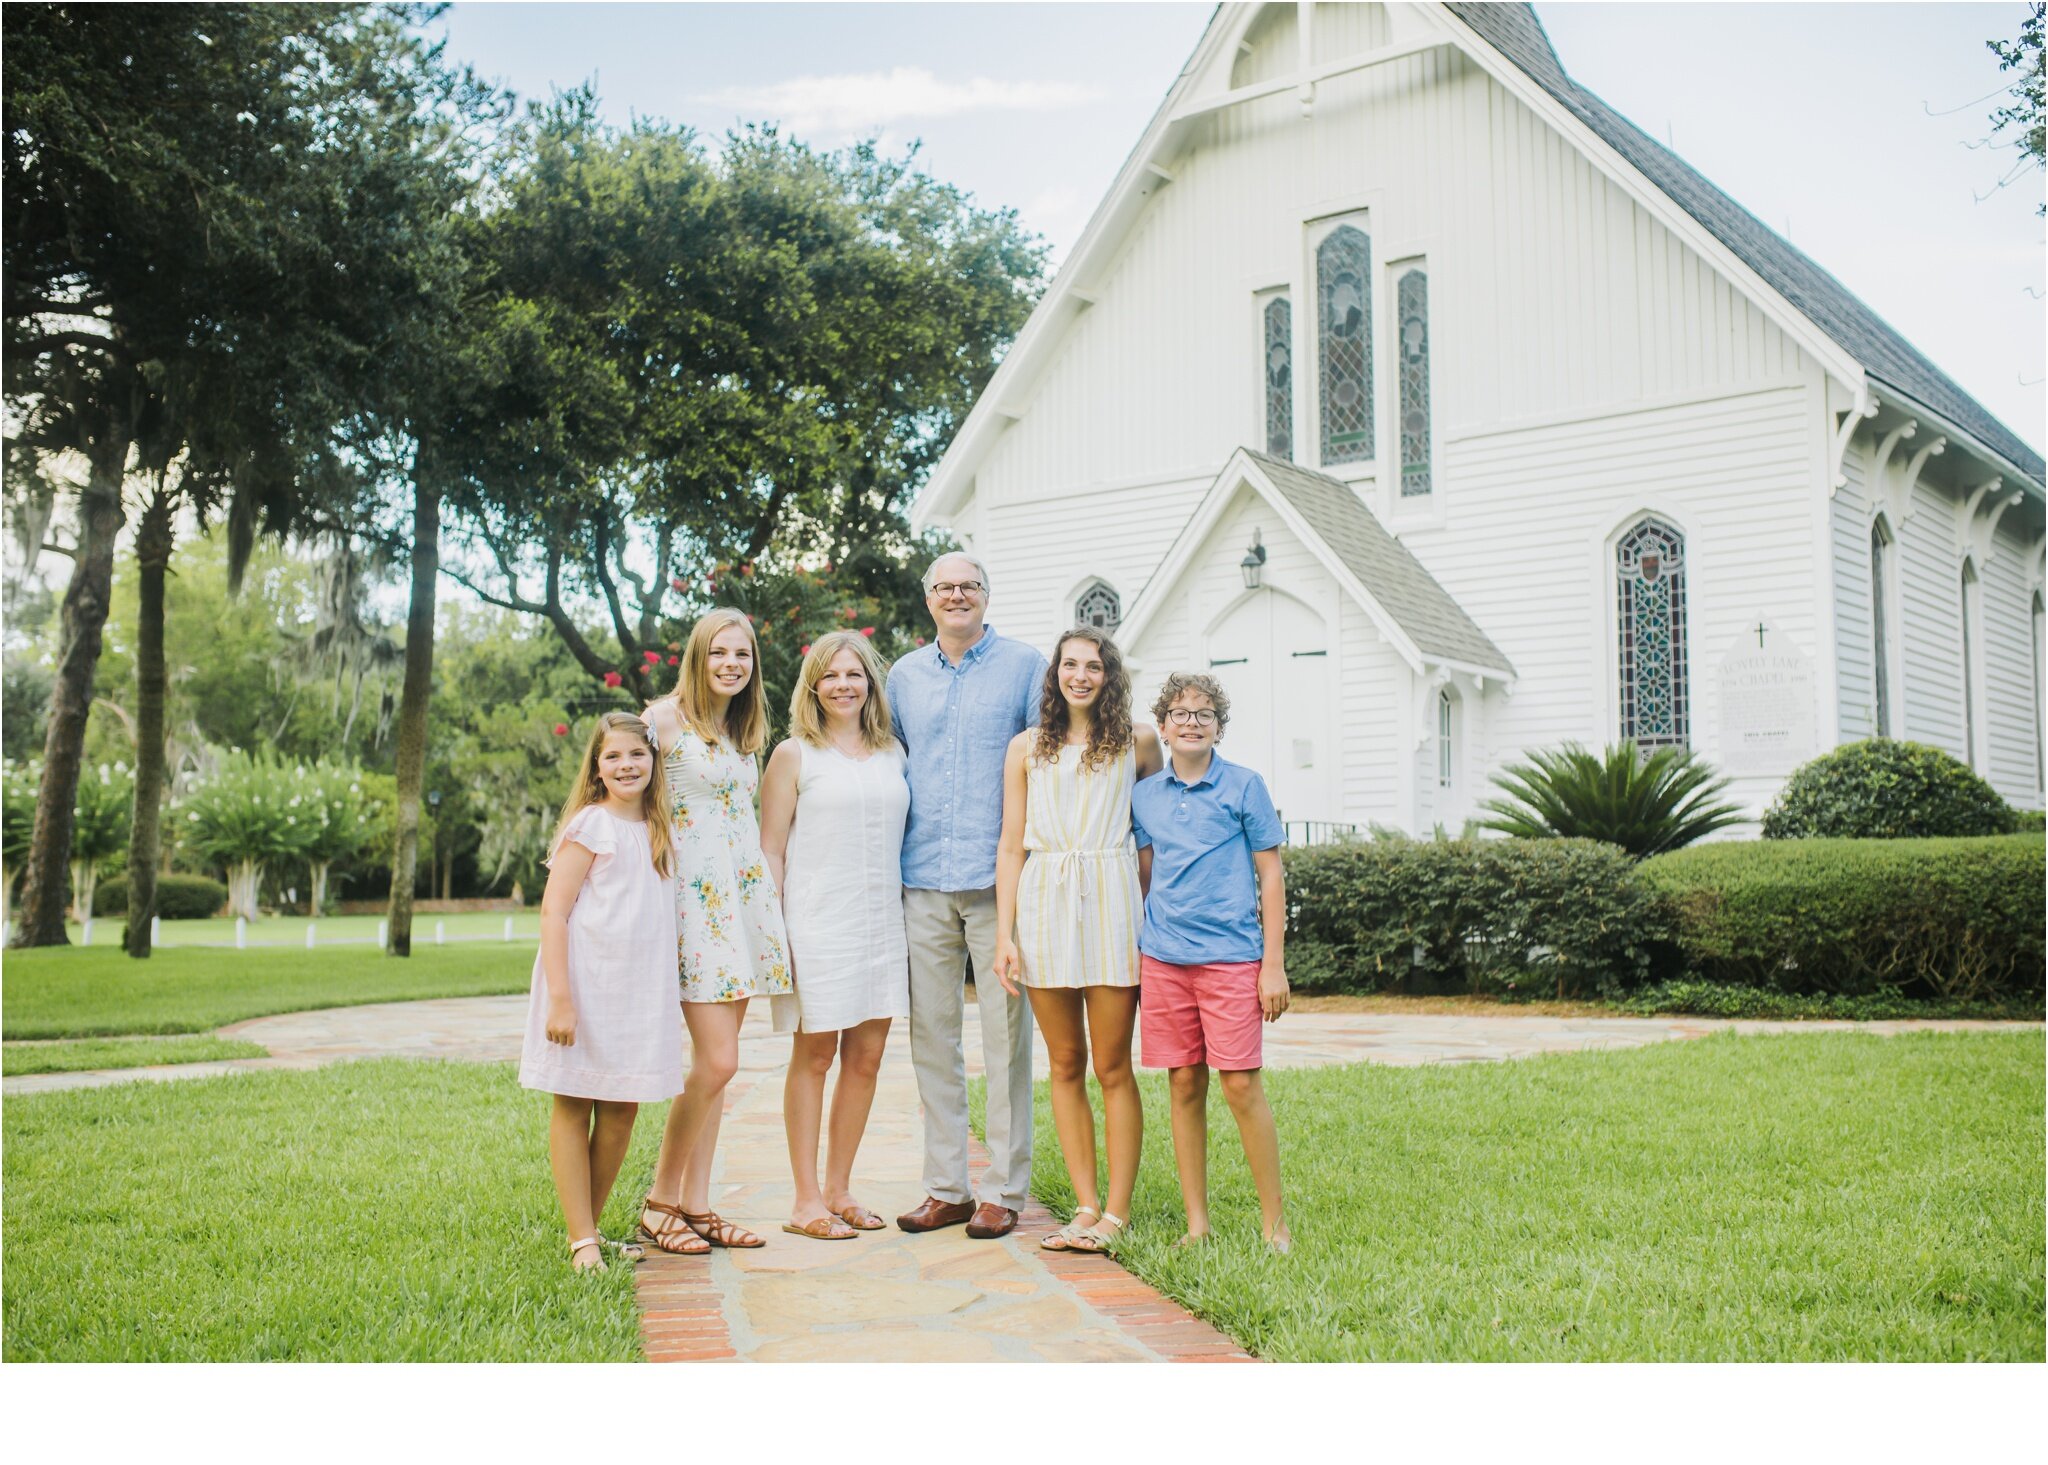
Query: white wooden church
[(1445, 415)]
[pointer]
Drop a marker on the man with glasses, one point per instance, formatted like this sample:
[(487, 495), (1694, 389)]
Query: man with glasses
[(956, 704)]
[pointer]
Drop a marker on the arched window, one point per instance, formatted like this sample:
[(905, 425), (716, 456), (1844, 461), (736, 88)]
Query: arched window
[(1649, 567), (1411, 298), (1445, 764), (1099, 607), (1973, 641), (1880, 631), (1279, 328), (2040, 690), (1344, 345)]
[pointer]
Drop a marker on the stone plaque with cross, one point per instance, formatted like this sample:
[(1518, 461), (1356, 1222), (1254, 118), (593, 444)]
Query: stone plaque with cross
[(1767, 716)]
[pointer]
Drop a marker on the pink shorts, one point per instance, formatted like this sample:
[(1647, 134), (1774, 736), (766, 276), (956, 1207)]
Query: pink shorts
[(1200, 1014)]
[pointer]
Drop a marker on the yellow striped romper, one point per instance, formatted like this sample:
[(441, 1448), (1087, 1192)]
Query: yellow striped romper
[(1077, 899)]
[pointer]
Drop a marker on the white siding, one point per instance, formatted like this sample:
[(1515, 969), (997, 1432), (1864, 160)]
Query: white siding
[(1855, 641), (2008, 667), (1931, 619)]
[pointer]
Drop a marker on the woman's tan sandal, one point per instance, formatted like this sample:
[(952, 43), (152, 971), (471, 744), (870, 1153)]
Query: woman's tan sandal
[(675, 1236), (587, 1243), (1063, 1239), (825, 1228), (715, 1229), (1095, 1239), (858, 1216)]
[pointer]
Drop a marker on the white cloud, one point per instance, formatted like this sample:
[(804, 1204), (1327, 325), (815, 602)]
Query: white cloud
[(866, 100)]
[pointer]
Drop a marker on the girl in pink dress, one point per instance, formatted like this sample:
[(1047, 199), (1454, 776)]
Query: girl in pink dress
[(601, 1033)]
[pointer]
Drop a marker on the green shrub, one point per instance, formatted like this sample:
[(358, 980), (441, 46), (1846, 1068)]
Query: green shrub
[(178, 897), (1645, 805), (1717, 999), (1446, 914), (1956, 919), (1884, 789), (2030, 821)]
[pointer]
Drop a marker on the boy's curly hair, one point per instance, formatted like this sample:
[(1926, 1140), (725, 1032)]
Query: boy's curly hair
[(1192, 681)]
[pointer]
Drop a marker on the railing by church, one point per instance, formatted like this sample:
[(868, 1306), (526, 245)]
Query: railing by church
[(1318, 831)]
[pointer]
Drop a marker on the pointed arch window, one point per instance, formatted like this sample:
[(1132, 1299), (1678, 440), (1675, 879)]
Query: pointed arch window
[(2040, 690), (1100, 607), (1650, 575), (1344, 345), (1445, 748), (1973, 682), (1411, 299), (1277, 323), (1880, 630)]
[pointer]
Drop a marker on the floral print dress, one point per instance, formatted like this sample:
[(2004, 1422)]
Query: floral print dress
[(730, 941)]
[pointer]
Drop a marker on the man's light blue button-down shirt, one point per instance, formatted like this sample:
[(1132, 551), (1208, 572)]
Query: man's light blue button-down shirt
[(955, 721)]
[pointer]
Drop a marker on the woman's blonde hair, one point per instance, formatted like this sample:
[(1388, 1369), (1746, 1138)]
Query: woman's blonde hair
[(807, 713), (587, 789), (746, 715)]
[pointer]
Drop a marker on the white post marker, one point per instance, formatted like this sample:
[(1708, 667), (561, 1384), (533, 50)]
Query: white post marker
[(241, 932), (383, 934), (440, 933), (156, 929), (508, 928), (309, 935)]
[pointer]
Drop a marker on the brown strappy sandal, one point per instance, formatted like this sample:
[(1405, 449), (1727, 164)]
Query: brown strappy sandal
[(676, 1236), (715, 1229)]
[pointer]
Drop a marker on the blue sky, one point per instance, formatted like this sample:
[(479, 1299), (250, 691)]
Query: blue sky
[(1816, 117)]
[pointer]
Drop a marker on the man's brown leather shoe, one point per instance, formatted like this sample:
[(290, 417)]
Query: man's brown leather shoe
[(990, 1221), (935, 1213)]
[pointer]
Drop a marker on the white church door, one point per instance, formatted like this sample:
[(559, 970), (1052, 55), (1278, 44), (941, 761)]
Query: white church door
[(1272, 654)]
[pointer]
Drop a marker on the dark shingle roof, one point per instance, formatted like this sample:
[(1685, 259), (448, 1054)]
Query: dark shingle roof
[(1422, 608), (1888, 357)]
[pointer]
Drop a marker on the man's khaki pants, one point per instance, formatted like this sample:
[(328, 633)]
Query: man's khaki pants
[(946, 928)]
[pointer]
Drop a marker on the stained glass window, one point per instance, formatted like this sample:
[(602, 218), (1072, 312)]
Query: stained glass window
[(1100, 607), (1279, 378), (1971, 637), (1880, 650), (1650, 569), (1412, 299), (1344, 332)]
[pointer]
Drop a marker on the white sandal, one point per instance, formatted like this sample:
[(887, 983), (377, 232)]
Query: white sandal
[(596, 1243), (1063, 1239), (1094, 1233)]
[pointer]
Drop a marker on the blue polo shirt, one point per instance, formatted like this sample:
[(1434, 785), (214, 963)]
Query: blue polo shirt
[(1203, 904), (955, 721)]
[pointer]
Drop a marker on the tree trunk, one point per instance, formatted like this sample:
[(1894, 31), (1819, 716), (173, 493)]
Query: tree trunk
[(316, 900), (152, 560), (412, 706), (83, 622), (85, 878)]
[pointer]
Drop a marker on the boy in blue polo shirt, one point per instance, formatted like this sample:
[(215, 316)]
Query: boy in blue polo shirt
[(1210, 953)]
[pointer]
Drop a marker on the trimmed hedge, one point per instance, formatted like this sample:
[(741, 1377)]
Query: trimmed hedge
[(178, 897), (1885, 789), (1463, 913), (1959, 920)]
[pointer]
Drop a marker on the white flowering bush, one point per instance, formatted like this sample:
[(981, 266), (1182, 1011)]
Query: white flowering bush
[(102, 814), (242, 819), (329, 818)]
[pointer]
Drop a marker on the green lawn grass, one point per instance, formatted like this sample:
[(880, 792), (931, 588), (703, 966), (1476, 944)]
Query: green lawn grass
[(91, 1053), (367, 1211), (1812, 1196), (66, 992), (219, 931)]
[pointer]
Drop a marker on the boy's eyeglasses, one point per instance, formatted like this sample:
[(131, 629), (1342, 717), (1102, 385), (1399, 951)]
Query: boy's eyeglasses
[(945, 588), (1201, 717)]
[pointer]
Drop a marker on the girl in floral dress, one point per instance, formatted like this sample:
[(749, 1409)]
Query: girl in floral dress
[(730, 945)]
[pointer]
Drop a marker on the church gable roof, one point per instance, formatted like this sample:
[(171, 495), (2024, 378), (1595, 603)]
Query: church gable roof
[(1436, 624), (1891, 360)]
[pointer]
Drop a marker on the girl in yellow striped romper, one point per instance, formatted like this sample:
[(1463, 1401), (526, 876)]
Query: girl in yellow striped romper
[(1068, 908)]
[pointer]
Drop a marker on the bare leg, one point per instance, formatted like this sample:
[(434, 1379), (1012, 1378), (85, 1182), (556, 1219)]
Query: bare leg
[(714, 1059), (803, 1103), (1190, 1088), (1246, 1092), (715, 1049), (610, 1137), (1112, 1014), (569, 1158), (1059, 1013), (860, 1065)]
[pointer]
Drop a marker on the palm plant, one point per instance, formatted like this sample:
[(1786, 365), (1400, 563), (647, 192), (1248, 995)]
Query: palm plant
[(1645, 805)]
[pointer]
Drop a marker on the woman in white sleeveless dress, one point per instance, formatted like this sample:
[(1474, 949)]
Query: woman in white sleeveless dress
[(1068, 910), (833, 807)]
